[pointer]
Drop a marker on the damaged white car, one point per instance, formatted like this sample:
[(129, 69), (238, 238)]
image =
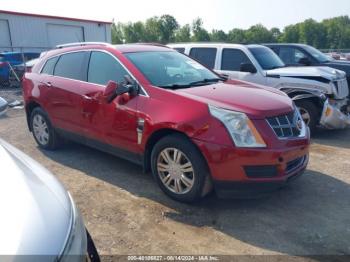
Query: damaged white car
[(321, 93)]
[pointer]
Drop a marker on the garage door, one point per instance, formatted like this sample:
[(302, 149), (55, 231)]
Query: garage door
[(5, 40), (62, 34)]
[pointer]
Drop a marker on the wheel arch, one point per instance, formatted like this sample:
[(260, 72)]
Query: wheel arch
[(155, 137), (316, 97), (29, 109)]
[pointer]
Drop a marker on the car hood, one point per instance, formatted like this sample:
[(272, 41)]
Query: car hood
[(308, 72), (256, 101), (341, 65), (35, 208)]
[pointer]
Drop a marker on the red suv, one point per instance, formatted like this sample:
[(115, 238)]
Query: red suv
[(158, 108)]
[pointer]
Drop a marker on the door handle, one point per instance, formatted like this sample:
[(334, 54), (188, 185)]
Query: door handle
[(89, 98), (48, 84)]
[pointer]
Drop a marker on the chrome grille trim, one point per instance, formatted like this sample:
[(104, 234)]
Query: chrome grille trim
[(286, 126)]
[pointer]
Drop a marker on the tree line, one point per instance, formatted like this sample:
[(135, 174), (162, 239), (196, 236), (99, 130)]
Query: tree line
[(333, 33)]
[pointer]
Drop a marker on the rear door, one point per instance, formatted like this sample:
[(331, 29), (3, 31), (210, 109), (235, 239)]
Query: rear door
[(65, 90)]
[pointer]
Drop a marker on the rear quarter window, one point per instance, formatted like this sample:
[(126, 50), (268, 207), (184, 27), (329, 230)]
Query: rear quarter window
[(49, 66), (204, 55)]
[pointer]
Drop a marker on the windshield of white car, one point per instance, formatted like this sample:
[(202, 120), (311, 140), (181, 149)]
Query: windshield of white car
[(170, 69), (266, 58), (317, 54)]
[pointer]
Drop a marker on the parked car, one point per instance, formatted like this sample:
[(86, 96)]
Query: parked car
[(320, 93), (10, 59), (39, 220), (305, 55), (172, 115), (3, 106)]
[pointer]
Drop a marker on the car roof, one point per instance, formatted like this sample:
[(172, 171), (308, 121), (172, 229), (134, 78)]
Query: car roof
[(213, 45), (123, 48)]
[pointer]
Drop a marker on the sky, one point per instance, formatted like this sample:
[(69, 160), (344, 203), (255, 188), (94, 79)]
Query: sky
[(219, 14)]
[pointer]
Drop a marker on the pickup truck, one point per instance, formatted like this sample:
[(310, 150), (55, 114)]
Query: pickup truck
[(320, 93), (305, 55)]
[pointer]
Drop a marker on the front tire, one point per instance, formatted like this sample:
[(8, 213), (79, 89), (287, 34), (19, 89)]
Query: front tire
[(43, 131), (309, 113), (179, 168)]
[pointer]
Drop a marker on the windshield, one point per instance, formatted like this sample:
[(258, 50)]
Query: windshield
[(171, 69), (266, 58), (317, 54)]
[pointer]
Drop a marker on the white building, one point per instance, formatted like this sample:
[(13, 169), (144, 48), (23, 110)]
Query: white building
[(33, 32)]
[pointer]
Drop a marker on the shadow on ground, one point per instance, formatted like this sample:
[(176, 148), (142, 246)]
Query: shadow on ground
[(336, 138), (310, 217)]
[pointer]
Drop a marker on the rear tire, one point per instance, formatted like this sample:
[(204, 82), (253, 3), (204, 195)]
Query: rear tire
[(179, 168), (309, 113), (43, 131)]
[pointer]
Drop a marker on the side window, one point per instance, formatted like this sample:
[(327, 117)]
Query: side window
[(204, 55), (103, 68), (72, 65), (49, 66), (180, 49), (290, 55), (232, 59)]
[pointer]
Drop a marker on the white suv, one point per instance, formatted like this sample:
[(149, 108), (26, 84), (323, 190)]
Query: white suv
[(319, 92)]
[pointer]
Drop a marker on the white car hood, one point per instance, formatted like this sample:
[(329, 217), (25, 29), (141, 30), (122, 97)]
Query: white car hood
[(35, 208), (308, 71)]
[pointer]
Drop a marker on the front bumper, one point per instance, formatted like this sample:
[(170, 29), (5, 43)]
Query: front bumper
[(238, 172), (335, 114)]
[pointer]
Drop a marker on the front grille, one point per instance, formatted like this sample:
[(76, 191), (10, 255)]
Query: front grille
[(291, 165), (342, 88), (286, 126)]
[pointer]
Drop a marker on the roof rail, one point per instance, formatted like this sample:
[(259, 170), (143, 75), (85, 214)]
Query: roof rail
[(82, 44)]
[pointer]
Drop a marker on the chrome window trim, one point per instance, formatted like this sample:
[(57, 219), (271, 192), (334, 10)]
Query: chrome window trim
[(144, 93)]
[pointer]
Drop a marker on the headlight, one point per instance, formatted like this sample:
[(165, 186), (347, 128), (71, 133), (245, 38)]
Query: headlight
[(239, 126), (76, 244)]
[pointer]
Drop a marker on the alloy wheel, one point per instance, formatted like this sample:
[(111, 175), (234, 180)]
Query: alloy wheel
[(175, 170), (40, 129)]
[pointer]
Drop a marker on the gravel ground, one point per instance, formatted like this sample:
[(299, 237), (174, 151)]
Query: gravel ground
[(126, 213)]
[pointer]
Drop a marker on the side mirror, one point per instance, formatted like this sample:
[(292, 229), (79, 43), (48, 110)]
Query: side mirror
[(109, 92), (304, 61), (248, 67), (113, 89)]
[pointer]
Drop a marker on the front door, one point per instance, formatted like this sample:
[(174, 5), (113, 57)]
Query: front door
[(112, 123), (231, 60)]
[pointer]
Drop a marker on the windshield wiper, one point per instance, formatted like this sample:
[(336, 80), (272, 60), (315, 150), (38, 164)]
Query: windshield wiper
[(175, 86), (195, 83), (206, 81)]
